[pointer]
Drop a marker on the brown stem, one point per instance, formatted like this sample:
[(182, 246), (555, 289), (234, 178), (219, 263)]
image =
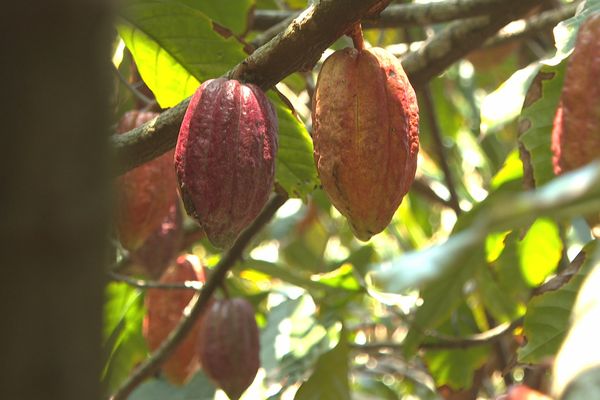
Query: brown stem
[(200, 301), (357, 37)]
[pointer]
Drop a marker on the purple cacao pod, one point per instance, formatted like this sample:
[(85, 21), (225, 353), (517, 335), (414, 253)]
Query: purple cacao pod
[(225, 157), (228, 345)]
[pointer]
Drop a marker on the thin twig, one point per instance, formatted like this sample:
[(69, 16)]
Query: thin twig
[(141, 96), (421, 187), (200, 301), (147, 284)]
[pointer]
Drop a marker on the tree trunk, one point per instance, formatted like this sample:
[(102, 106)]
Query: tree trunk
[(54, 202)]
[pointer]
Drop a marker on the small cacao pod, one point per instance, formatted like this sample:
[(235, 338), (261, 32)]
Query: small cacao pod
[(576, 129), (225, 157), (229, 345), (365, 132), (165, 307), (161, 247), (144, 194)]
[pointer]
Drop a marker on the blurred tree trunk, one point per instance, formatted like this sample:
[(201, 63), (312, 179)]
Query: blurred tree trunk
[(54, 203)]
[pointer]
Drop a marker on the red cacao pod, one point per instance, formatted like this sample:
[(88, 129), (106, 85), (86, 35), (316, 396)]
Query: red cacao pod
[(165, 307), (145, 193), (225, 157), (365, 132), (576, 130), (161, 247), (229, 345)]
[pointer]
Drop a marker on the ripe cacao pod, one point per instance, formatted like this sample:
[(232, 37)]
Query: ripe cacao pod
[(365, 132), (165, 307), (225, 157), (229, 345), (144, 194), (576, 130), (161, 247)]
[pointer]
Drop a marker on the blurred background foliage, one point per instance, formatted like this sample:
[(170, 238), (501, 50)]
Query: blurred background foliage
[(394, 317)]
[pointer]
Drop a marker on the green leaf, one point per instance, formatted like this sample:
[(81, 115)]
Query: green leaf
[(540, 251), (455, 368), (232, 14), (295, 166), (329, 380), (537, 118), (198, 388), (504, 104), (547, 318), (502, 307), (123, 340), (175, 47)]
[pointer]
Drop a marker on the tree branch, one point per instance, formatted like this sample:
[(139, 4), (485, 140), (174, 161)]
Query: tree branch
[(398, 15), (458, 39), (200, 301), (300, 45)]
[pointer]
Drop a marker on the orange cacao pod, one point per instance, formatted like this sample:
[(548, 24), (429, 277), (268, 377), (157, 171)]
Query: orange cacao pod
[(165, 308), (229, 345), (225, 157), (365, 131), (576, 130), (144, 194)]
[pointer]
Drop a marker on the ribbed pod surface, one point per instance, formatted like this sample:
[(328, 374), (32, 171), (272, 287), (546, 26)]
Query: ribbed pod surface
[(365, 132), (225, 157)]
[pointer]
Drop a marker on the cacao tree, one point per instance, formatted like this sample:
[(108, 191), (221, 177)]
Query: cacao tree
[(338, 199)]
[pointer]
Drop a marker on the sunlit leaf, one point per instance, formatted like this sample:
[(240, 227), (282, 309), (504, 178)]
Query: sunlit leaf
[(175, 47), (124, 343), (540, 251), (547, 318), (565, 32), (232, 14)]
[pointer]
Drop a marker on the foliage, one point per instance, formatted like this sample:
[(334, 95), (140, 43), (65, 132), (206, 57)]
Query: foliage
[(413, 311)]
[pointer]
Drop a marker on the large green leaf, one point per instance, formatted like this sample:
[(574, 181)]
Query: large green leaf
[(175, 47), (329, 380), (547, 318), (295, 166), (537, 118), (232, 14), (123, 340)]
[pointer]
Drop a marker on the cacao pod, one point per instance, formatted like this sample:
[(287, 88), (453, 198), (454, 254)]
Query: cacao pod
[(365, 132), (144, 194), (229, 345), (576, 130), (165, 308), (225, 157), (576, 127), (161, 247)]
